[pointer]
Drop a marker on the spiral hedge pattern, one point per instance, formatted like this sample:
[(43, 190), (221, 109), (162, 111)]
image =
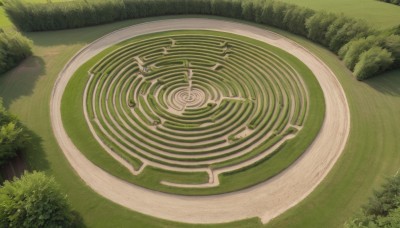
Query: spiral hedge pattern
[(192, 102)]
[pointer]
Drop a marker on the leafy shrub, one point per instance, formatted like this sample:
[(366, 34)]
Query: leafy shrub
[(13, 136), (382, 209), (372, 62), (350, 53), (34, 200), (13, 49)]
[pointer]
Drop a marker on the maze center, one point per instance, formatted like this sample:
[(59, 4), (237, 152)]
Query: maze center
[(194, 103)]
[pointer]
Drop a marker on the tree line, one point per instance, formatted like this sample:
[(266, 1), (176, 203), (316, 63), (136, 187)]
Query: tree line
[(14, 48), (340, 34)]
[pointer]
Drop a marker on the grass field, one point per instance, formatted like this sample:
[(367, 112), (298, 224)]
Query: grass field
[(376, 13), (370, 156)]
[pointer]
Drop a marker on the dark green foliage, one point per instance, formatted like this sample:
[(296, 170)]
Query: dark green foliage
[(343, 30), (350, 53), (317, 26), (392, 44), (34, 200), (383, 208), (295, 20), (372, 62), (396, 2), (13, 49), (337, 32), (13, 137)]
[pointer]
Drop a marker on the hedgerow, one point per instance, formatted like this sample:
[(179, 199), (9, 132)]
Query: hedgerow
[(333, 31), (13, 49)]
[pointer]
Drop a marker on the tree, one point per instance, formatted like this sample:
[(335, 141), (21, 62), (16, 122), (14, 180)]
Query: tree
[(392, 44), (295, 19), (317, 26), (34, 200), (13, 49), (13, 136), (372, 62), (350, 53), (344, 30), (382, 209)]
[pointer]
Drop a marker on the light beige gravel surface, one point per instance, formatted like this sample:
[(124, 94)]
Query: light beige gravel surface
[(266, 200)]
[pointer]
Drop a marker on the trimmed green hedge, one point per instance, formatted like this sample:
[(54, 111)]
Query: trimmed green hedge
[(14, 48)]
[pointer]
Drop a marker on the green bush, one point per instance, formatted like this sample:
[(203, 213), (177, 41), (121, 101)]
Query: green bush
[(13, 136), (34, 200), (13, 49), (372, 62), (350, 53), (382, 209)]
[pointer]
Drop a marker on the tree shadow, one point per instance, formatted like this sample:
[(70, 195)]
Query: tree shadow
[(34, 154), (89, 33), (30, 158), (21, 80), (387, 83)]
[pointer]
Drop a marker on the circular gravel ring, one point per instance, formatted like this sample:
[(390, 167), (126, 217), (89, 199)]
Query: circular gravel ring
[(266, 200)]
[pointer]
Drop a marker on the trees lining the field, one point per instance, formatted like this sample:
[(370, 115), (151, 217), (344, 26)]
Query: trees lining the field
[(13, 136), (331, 30), (34, 200), (13, 49)]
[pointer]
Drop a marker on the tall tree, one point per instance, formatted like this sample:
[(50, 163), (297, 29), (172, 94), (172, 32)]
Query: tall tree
[(34, 200)]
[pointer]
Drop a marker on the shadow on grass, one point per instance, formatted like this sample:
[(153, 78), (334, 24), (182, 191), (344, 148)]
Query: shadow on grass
[(387, 83), (21, 80), (90, 33), (34, 154), (30, 158)]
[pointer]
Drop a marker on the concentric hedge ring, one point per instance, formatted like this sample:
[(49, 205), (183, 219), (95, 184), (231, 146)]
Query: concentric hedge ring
[(194, 103)]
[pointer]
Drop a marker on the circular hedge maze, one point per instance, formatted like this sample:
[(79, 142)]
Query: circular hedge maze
[(193, 112), (194, 103)]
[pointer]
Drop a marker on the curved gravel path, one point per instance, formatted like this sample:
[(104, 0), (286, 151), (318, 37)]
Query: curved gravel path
[(266, 200)]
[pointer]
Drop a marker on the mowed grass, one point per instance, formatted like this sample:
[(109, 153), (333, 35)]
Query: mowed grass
[(378, 14), (370, 156)]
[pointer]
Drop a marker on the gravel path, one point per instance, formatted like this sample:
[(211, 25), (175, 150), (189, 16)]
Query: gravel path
[(266, 200)]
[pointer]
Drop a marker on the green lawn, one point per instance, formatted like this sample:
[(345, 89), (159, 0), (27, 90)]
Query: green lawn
[(378, 14), (370, 156)]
